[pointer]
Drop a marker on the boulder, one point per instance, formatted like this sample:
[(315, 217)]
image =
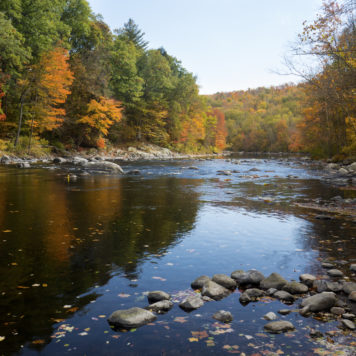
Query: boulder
[(327, 265), (80, 161), (199, 282), (223, 316), (214, 290), (295, 288), (271, 291), (160, 307), (157, 296), (319, 302), (192, 303), (352, 296), (335, 273), (322, 285), (307, 279), (274, 280), (277, 327), (251, 295), (343, 171), (59, 160), (252, 276), (224, 281), (270, 316), (349, 316), (353, 268), (23, 165), (352, 167), (5, 159), (131, 318), (284, 311), (284, 296), (337, 310), (105, 166), (349, 287)]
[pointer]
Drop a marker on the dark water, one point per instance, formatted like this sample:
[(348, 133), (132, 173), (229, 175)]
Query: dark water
[(72, 252)]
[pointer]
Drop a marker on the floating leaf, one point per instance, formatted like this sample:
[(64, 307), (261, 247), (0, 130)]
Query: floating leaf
[(7, 231), (102, 316), (2, 338), (180, 319), (193, 339), (159, 278), (123, 295), (39, 342)]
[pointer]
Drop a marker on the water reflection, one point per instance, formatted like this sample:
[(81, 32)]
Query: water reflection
[(58, 240)]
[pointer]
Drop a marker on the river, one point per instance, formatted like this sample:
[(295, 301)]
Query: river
[(74, 250)]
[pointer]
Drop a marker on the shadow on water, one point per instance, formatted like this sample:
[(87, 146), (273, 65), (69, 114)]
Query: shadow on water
[(60, 239)]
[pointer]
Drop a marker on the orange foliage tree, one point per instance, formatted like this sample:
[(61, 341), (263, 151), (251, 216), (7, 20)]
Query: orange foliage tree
[(50, 85), (101, 115), (221, 132)]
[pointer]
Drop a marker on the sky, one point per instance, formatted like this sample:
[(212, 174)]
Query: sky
[(228, 44)]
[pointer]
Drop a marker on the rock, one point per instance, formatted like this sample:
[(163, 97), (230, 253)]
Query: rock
[(214, 290), (335, 273), (199, 282), (105, 166), (305, 311), (340, 303), (337, 310), (59, 160), (284, 296), (327, 265), (277, 327), (193, 167), (271, 291), (327, 286), (270, 316), (224, 281), (343, 171), (252, 276), (349, 316), (80, 161), (23, 165), (5, 159), (223, 316), (157, 296), (295, 288), (207, 299), (323, 217), (349, 287), (348, 324), (307, 279), (224, 173), (332, 166), (352, 296), (161, 307), (251, 295), (353, 267), (131, 318), (274, 280), (319, 302), (284, 311), (192, 303), (135, 172), (352, 167)]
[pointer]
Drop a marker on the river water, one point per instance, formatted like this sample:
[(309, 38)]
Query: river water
[(74, 250)]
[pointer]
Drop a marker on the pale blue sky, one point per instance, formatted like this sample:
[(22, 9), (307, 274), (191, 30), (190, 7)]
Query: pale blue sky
[(228, 44)]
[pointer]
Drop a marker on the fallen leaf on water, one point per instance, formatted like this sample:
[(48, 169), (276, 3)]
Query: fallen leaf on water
[(115, 336), (39, 342), (45, 285), (83, 334), (180, 319), (159, 278), (200, 334), (193, 339), (72, 310), (23, 287), (13, 264), (35, 285), (102, 316), (7, 231), (123, 295), (58, 320), (67, 306), (2, 338)]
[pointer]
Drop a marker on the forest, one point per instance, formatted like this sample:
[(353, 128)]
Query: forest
[(67, 82)]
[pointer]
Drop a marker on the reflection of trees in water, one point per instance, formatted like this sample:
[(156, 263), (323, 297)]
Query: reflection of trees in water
[(71, 237)]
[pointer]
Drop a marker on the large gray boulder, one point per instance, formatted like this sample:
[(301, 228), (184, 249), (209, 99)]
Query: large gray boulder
[(284, 296), (79, 161), (335, 273), (274, 280), (199, 282), (252, 276), (104, 166), (131, 318), (192, 303), (157, 295), (251, 295), (277, 327), (319, 302), (224, 281), (322, 285), (214, 290), (295, 288)]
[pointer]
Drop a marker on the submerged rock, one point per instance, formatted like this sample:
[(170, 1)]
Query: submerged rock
[(319, 302), (295, 288), (156, 296), (199, 282), (131, 318), (274, 280), (224, 281), (192, 303), (214, 290), (223, 316), (277, 327)]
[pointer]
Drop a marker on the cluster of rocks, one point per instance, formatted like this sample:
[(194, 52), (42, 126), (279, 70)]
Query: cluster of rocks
[(316, 296)]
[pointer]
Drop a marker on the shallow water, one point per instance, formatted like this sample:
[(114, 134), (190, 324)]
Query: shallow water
[(73, 251)]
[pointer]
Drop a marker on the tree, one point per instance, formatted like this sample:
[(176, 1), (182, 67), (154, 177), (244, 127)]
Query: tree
[(131, 33)]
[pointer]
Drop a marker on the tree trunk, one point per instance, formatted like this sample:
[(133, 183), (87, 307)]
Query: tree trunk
[(20, 121)]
